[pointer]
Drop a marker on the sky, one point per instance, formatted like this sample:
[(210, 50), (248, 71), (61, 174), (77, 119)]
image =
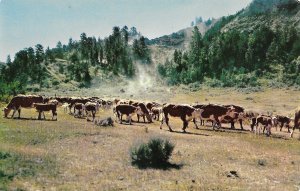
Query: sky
[(25, 23)]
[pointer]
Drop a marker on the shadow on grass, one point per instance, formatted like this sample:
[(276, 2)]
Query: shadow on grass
[(32, 119), (162, 166), (189, 133), (225, 129)]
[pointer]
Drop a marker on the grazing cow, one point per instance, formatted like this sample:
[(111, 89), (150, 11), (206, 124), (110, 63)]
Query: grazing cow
[(282, 120), (150, 105), (42, 107), (296, 121), (156, 111), (74, 100), (124, 109), (21, 101), (216, 113), (185, 112), (252, 115), (143, 113), (266, 121), (91, 108), (198, 106), (79, 107), (239, 117)]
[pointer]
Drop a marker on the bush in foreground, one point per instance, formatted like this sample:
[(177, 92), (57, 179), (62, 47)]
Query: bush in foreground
[(155, 153)]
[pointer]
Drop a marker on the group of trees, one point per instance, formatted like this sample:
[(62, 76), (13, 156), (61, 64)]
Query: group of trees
[(236, 57), (112, 54)]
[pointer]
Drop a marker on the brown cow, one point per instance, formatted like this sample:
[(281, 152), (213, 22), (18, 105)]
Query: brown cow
[(156, 111), (240, 117), (80, 107), (282, 120), (296, 121), (21, 101), (266, 121), (216, 113), (91, 108), (42, 107), (125, 109), (144, 111), (74, 100), (185, 112)]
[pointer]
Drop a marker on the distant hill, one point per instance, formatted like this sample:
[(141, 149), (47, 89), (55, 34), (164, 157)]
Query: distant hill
[(181, 38)]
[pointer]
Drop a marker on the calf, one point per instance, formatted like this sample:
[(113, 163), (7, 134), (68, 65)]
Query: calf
[(79, 107), (240, 117), (282, 120), (124, 109), (185, 112), (91, 108), (143, 112), (266, 121), (156, 111), (42, 107)]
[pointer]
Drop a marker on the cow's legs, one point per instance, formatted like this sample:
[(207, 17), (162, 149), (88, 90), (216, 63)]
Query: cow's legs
[(167, 122), (185, 123), (12, 116), (138, 116), (129, 117), (232, 125), (44, 115), (241, 123), (39, 117), (281, 125), (19, 111), (195, 122), (93, 113), (144, 118), (162, 122), (253, 122)]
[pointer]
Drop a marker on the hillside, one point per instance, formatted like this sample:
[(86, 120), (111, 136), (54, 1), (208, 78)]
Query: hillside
[(258, 46)]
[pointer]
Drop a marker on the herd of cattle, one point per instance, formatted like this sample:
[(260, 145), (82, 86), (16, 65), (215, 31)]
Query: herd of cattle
[(216, 114)]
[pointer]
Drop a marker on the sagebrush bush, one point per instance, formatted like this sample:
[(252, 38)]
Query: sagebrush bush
[(155, 153)]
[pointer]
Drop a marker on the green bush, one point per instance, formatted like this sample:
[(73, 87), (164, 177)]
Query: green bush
[(155, 153), (55, 82)]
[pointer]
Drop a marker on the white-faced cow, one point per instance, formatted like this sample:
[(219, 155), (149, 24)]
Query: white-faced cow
[(155, 112), (79, 109), (282, 121), (21, 101), (144, 112), (125, 109), (91, 108), (239, 117), (216, 113), (185, 112), (267, 123)]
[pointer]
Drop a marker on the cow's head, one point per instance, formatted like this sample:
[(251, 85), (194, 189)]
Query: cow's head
[(231, 112), (139, 111), (6, 111), (197, 113)]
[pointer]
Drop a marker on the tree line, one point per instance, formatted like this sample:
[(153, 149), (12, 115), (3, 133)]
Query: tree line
[(111, 54), (237, 58)]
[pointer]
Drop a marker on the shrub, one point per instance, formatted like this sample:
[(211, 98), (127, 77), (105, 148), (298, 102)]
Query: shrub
[(155, 153), (55, 82)]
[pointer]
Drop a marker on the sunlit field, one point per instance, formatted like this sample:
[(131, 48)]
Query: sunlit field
[(73, 154)]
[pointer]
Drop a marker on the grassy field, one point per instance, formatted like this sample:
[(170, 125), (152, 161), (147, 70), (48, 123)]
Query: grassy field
[(73, 154)]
